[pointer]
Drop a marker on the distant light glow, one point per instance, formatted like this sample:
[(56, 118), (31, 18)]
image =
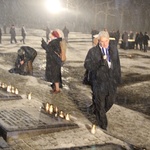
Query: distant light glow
[(54, 6)]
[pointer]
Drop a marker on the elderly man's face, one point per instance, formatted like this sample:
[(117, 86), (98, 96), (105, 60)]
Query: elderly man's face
[(104, 42)]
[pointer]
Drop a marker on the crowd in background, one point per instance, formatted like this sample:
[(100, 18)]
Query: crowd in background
[(128, 40), (12, 32)]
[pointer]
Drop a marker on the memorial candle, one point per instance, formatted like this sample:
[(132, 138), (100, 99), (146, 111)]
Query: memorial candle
[(51, 109), (29, 96), (9, 88), (47, 107), (67, 117), (93, 129), (16, 91), (61, 114)]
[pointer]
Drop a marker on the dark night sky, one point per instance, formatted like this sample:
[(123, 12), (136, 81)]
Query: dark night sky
[(81, 15)]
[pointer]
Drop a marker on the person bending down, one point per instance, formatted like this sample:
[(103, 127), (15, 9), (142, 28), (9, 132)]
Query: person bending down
[(25, 58)]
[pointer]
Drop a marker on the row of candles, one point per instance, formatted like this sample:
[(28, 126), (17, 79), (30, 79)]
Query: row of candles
[(9, 88), (12, 89), (51, 109)]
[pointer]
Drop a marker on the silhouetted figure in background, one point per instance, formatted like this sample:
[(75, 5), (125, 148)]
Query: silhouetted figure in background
[(66, 32), (13, 34), (117, 37), (4, 28), (23, 34), (145, 41), (47, 33), (140, 39), (136, 40), (125, 40), (0, 35), (131, 35)]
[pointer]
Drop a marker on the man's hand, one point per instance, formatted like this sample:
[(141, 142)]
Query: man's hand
[(22, 62)]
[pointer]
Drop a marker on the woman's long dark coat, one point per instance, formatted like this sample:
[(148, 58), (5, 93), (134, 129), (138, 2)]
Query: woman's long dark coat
[(53, 61)]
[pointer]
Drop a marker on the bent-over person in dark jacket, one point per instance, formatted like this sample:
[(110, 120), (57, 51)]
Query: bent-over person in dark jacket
[(23, 63)]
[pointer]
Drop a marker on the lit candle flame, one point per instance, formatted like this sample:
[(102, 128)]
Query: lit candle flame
[(47, 107), (16, 91), (51, 109), (67, 117), (13, 90), (29, 96), (56, 109), (93, 129), (9, 88), (56, 114), (61, 114), (3, 85)]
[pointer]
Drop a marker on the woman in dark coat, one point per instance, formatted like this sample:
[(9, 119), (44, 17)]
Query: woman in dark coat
[(53, 60)]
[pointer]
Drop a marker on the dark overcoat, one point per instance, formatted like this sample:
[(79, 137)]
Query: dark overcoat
[(53, 61), (104, 78)]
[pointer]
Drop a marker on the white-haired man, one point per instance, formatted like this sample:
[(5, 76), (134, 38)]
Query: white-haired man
[(103, 61)]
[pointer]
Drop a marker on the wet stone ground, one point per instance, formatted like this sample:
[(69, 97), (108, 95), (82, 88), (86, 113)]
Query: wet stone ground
[(130, 100), (124, 124)]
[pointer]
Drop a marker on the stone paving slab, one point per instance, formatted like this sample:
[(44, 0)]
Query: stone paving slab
[(95, 147), (3, 143), (15, 123), (4, 95), (75, 139)]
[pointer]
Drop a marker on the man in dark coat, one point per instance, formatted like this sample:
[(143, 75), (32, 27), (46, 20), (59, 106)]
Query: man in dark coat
[(25, 58), (117, 37), (145, 41), (140, 39), (103, 61), (136, 40), (13, 34), (125, 40)]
